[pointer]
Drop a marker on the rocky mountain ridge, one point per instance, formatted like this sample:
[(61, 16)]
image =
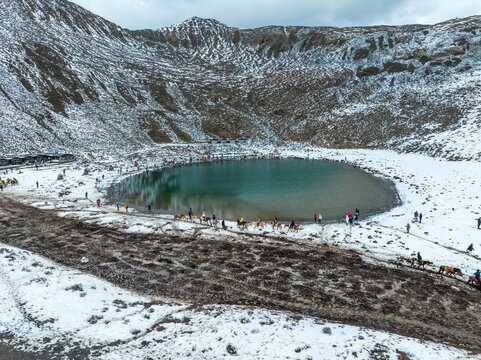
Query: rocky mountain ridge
[(75, 81)]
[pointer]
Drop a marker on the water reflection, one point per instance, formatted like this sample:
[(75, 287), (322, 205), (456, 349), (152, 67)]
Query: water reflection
[(267, 188)]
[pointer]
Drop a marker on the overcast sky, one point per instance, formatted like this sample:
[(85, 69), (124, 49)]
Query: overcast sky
[(153, 14)]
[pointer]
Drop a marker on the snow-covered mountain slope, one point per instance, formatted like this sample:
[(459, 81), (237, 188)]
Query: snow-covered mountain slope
[(72, 80)]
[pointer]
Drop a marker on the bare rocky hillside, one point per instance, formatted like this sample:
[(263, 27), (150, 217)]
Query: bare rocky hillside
[(74, 81)]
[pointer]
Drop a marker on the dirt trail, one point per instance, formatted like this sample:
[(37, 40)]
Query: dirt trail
[(326, 281)]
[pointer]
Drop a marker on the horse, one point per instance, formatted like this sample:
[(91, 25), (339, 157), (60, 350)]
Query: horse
[(414, 261), (276, 225), (450, 270), (258, 225), (207, 220), (179, 217), (472, 280), (242, 224), (295, 228)]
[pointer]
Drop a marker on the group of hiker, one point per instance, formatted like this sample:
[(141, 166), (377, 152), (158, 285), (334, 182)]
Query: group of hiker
[(351, 218), (4, 183), (418, 217), (318, 218)]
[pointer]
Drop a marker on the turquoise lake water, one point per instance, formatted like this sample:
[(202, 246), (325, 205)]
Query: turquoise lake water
[(286, 188)]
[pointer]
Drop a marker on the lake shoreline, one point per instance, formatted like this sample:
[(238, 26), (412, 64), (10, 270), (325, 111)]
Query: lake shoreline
[(114, 193)]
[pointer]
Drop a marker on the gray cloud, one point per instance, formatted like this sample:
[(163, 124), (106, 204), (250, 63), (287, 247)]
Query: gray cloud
[(140, 14)]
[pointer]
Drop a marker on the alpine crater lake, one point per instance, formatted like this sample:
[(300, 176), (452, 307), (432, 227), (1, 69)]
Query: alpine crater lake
[(282, 188)]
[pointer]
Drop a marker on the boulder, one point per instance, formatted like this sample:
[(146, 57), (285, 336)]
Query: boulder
[(369, 71)]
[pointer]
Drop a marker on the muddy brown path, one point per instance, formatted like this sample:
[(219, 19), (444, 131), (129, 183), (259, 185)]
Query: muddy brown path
[(325, 281)]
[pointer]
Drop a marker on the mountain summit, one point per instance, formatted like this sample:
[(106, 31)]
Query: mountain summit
[(73, 80)]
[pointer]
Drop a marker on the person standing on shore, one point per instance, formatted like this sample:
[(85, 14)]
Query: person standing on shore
[(190, 214), (126, 207), (315, 218), (118, 207), (149, 207), (320, 218), (293, 224)]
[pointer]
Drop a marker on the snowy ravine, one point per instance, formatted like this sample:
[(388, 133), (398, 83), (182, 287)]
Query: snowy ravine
[(43, 304)]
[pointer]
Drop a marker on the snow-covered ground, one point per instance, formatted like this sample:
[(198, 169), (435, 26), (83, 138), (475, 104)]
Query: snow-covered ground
[(446, 192), (44, 304)]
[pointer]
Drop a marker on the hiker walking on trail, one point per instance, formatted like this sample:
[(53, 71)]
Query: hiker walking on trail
[(470, 248), (126, 208), (98, 202), (37, 188), (477, 275), (416, 216), (86, 195), (420, 259), (479, 223), (420, 217), (407, 228)]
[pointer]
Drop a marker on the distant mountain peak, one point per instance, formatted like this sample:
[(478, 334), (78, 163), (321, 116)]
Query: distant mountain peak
[(196, 21)]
